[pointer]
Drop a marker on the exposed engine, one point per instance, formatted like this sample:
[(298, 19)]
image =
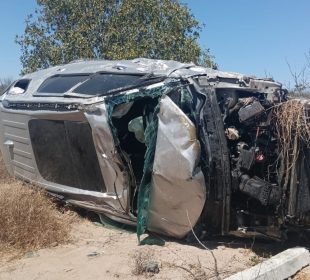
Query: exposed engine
[(252, 141)]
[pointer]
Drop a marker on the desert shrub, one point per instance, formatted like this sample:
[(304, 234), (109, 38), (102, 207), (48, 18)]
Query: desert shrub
[(29, 219)]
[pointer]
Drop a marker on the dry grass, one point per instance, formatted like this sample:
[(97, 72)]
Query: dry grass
[(142, 261), (4, 175), (195, 270), (293, 127), (29, 220), (292, 120)]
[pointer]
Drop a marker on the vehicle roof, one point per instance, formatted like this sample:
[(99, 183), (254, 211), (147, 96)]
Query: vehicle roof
[(144, 66), (139, 65)]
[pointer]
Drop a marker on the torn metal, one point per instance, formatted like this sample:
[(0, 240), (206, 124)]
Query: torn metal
[(158, 144)]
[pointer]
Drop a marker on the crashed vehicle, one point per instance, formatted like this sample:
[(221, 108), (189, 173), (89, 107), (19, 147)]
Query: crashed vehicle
[(166, 146)]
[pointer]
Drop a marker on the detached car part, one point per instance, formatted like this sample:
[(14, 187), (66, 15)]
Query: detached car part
[(157, 144)]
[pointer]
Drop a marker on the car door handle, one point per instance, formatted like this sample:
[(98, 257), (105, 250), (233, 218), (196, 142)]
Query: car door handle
[(9, 143)]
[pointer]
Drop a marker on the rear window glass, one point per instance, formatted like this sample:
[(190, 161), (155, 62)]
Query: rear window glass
[(61, 84), (103, 83)]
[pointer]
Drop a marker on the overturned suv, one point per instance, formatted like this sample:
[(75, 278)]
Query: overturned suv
[(162, 145)]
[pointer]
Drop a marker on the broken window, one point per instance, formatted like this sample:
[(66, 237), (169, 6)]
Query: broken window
[(19, 87)]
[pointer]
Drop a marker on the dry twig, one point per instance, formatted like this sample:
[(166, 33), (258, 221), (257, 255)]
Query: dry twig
[(293, 128)]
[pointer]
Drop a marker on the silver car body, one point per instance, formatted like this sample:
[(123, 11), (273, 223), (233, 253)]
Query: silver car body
[(64, 141)]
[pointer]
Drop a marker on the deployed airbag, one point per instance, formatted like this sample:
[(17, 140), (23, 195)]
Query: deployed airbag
[(178, 187)]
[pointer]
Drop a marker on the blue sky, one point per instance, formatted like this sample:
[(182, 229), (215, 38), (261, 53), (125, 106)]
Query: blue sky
[(247, 36)]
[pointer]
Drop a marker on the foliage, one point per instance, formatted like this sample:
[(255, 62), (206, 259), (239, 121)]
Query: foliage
[(61, 31)]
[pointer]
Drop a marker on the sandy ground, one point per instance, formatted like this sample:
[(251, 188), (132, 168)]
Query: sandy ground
[(304, 274), (98, 252)]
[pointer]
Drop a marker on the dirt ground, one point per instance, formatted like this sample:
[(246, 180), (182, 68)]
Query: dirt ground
[(98, 252), (104, 252), (304, 274)]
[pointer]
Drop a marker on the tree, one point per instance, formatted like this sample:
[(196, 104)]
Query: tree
[(64, 30), (4, 83), (301, 78)]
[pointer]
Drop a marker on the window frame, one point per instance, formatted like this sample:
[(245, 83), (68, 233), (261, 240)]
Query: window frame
[(71, 93), (54, 94), (12, 85)]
